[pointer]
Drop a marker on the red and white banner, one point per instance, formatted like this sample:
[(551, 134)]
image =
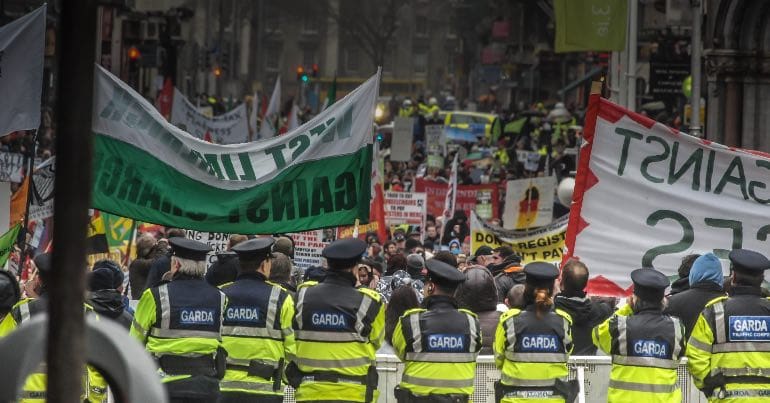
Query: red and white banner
[(646, 195), (484, 199)]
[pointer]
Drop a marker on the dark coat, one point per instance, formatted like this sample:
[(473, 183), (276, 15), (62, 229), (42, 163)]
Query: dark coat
[(586, 314), (138, 271), (109, 303), (504, 281), (158, 268), (488, 324), (224, 270), (679, 285), (687, 305)]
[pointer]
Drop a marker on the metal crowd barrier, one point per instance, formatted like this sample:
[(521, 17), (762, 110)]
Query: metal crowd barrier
[(594, 371)]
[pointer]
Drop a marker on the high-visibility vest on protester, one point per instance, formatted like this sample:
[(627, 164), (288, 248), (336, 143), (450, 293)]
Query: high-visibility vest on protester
[(180, 324), (338, 330), (532, 355), (646, 347), (34, 390), (439, 346), (406, 112), (729, 349), (258, 337)]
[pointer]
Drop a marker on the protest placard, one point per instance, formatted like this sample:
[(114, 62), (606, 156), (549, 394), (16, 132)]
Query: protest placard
[(646, 195), (401, 141), (216, 240), (405, 208), (529, 202), (434, 139), (545, 244), (41, 203), (228, 128), (469, 197), (308, 246), (11, 165)]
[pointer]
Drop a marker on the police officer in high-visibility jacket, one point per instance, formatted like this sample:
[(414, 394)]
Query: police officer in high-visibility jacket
[(34, 390), (645, 344), (729, 349), (257, 331), (180, 323), (439, 343), (338, 329), (532, 345)]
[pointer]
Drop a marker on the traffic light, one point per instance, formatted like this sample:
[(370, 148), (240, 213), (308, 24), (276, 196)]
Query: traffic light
[(302, 75), (217, 71), (315, 70), (134, 54)]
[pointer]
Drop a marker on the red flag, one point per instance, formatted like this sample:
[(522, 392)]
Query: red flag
[(207, 137), (377, 207), (165, 99)]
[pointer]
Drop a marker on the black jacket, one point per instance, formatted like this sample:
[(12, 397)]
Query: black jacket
[(158, 268), (687, 305), (505, 281), (679, 285), (138, 271), (109, 303), (224, 270), (586, 314)]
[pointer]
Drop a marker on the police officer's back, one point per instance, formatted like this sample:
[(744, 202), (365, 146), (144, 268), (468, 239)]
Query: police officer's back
[(645, 344), (438, 343), (257, 331), (532, 345), (338, 329), (180, 323), (729, 348)]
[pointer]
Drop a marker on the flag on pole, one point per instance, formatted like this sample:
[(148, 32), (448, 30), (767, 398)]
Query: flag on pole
[(96, 237), (268, 128), (253, 116), (331, 96), (6, 243), (165, 98), (377, 209), (293, 117), (451, 196), (21, 72), (590, 25)]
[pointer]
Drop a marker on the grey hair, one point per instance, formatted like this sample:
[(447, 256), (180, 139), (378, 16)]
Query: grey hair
[(189, 267)]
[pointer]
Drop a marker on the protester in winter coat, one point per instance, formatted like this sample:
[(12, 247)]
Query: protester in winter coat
[(281, 273), (585, 313), (479, 295), (162, 264), (140, 267), (105, 283), (402, 299), (451, 232), (225, 268), (706, 283), (682, 283), (507, 274)]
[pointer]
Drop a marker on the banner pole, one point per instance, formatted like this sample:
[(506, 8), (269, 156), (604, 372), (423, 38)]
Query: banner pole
[(22, 238)]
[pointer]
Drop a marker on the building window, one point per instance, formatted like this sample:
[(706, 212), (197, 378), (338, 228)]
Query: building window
[(421, 26), (273, 57), (352, 57), (272, 20), (310, 24), (309, 57), (420, 60)]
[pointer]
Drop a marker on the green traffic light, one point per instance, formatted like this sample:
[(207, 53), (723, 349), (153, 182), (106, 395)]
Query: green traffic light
[(305, 78)]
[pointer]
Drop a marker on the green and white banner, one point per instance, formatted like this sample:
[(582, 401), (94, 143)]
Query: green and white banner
[(315, 176)]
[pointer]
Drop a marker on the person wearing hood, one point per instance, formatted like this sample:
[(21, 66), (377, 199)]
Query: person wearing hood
[(585, 313), (683, 282), (105, 285), (706, 283), (225, 268), (478, 294), (508, 272), (455, 228)]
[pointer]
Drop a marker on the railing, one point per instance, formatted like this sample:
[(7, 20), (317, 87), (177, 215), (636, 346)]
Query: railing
[(593, 371)]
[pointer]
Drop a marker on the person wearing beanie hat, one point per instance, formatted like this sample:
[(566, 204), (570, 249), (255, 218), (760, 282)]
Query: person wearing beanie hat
[(443, 367), (705, 284), (339, 328), (645, 344), (537, 362), (105, 283), (727, 351)]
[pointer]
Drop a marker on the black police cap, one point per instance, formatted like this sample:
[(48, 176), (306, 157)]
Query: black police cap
[(188, 249), (541, 273), (443, 274), (748, 260), (254, 249), (344, 253), (649, 283)]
